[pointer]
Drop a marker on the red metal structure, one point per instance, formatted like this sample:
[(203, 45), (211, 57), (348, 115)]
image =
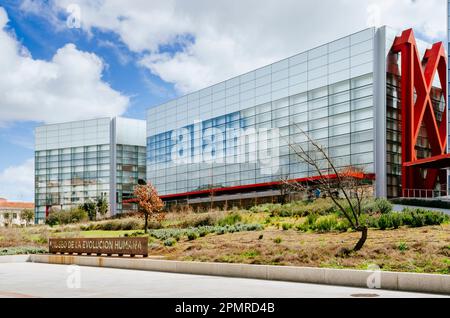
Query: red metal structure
[(417, 76)]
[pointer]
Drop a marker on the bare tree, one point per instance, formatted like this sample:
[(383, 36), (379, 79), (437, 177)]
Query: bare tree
[(285, 188), (348, 182)]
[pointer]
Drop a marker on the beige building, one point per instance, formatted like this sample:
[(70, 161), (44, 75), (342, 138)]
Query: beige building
[(10, 212)]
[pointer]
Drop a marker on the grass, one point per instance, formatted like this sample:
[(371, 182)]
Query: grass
[(424, 250), (298, 234), (96, 233)]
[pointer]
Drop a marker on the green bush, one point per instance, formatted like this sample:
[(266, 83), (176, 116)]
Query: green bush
[(296, 208), (420, 217), (325, 223), (117, 225), (230, 219), (320, 206), (196, 220), (383, 205), (286, 226), (170, 242), (402, 246), (278, 240), (22, 250), (164, 234), (384, 222), (411, 217), (435, 217), (342, 225), (390, 220), (192, 236), (273, 209), (134, 234), (74, 215)]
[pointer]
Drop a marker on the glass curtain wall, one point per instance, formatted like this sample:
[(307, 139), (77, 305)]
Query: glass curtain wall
[(130, 170), (68, 177), (326, 91)]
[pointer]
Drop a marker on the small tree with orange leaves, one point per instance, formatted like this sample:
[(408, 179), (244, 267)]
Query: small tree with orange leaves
[(150, 204)]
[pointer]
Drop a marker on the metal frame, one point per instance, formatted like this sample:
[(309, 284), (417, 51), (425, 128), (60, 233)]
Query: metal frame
[(417, 77)]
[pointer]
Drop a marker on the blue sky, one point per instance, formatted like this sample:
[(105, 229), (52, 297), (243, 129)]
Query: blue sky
[(143, 53), (42, 40)]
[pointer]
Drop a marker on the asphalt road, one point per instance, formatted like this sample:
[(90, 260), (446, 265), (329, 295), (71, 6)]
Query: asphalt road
[(48, 280)]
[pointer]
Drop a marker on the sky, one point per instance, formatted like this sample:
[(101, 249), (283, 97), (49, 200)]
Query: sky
[(64, 60)]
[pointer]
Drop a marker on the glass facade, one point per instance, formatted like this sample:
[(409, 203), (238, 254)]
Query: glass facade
[(130, 170), (326, 91), (80, 161)]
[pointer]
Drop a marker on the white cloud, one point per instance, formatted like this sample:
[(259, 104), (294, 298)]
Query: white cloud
[(17, 182), (231, 37), (68, 87)]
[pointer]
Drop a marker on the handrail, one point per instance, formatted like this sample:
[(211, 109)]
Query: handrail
[(423, 193)]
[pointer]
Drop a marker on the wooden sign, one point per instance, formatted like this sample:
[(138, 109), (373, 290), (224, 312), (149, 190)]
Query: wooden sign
[(110, 246)]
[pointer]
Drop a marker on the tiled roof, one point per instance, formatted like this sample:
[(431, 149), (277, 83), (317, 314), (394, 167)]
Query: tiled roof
[(4, 204)]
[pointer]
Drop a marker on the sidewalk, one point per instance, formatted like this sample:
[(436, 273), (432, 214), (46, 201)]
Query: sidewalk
[(399, 207)]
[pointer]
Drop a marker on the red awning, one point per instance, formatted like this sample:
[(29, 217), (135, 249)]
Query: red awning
[(437, 162)]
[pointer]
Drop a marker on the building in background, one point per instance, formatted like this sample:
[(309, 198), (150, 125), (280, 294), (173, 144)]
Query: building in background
[(10, 212), (346, 94), (448, 72), (85, 160)]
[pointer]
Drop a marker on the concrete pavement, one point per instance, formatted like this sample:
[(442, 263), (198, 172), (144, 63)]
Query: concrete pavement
[(48, 280)]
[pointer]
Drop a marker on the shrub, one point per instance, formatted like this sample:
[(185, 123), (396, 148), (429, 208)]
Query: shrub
[(390, 220), (164, 234), (411, 217), (260, 237), (134, 234), (435, 217), (277, 240), (326, 223), (308, 223), (230, 219), (342, 225), (129, 224), (116, 225), (402, 246), (170, 242), (192, 236), (286, 226), (273, 209), (384, 222), (383, 205), (414, 217), (304, 227), (320, 206), (22, 250), (74, 215), (196, 220)]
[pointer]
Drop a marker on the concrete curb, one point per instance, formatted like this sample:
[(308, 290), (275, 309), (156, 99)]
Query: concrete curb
[(14, 258), (413, 282)]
